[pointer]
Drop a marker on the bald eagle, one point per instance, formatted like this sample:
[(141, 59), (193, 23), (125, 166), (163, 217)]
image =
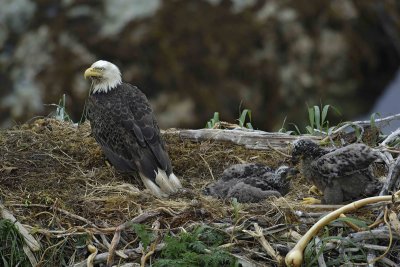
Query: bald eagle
[(124, 125)]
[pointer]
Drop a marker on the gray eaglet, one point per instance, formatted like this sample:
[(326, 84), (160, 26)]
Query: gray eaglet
[(125, 127), (251, 182), (341, 174)]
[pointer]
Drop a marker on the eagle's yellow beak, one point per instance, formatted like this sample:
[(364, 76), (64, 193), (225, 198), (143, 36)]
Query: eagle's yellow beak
[(92, 72)]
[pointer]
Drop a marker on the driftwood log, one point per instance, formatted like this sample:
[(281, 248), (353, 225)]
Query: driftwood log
[(252, 139)]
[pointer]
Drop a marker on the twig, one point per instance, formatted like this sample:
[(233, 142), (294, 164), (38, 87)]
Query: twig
[(318, 245), (208, 166), (147, 255), (74, 216), (102, 257), (379, 121), (30, 255), (93, 252), (373, 247), (293, 235), (390, 237), (305, 214), (388, 262), (350, 224), (117, 235), (28, 238), (392, 178), (277, 151), (132, 264), (258, 234), (43, 256), (153, 246), (391, 137), (380, 233), (361, 124), (326, 207), (394, 221), (370, 257)]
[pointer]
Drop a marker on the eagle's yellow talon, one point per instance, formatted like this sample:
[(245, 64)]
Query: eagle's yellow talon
[(314, 190), (310, 201)]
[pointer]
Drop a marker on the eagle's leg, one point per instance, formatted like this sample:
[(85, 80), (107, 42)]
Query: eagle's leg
[(313, 189)]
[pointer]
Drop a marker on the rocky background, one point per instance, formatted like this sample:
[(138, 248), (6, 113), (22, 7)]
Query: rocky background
[(194, 57)]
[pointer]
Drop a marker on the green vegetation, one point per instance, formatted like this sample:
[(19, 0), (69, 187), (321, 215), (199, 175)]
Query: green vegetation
[(11, 247), (196, 248), (318, 119), (61, 112), (242, 119), (355, 252), (214, 121), (237, 207), (144, 234)]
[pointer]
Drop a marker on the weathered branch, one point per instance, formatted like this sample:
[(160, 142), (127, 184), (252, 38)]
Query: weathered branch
[(392, 181), (252, 139), (29, 239), (138, 219)]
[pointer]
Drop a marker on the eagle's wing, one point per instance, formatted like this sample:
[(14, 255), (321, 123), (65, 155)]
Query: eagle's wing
[(106, 130), (345, 161), (141, 122), (129, 134)]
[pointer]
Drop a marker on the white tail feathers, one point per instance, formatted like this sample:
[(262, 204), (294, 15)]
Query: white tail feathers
[(164, 185), (174, 181), (163, 182)]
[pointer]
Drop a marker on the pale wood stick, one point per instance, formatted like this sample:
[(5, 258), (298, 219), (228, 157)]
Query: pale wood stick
[(138, 219), (318, 245), (32, 243), (258, 234), (252, 139)]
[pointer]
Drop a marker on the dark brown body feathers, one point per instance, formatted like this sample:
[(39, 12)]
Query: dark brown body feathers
[(123, 124)]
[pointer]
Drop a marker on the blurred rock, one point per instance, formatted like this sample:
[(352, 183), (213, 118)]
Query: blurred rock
[(194, 57)]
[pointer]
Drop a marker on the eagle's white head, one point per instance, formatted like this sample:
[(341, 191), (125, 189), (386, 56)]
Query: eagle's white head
[(105, 76)]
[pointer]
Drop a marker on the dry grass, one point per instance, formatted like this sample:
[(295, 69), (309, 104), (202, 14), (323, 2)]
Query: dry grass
[(55, 180)]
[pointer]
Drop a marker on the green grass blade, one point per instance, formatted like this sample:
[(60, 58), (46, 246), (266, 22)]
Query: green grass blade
[(311, 118), (337, 111), (373, 119), (249, 126), (242, 118), (310, 130), (216, 117), (358, 222), (317, 117), (296, 128), (324, 113)]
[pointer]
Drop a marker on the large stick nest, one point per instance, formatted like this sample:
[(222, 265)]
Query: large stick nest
[(55, 180)]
